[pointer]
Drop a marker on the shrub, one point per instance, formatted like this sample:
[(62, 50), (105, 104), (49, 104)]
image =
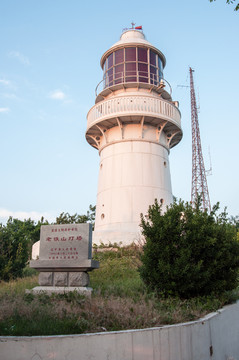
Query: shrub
[(188, 252), (13, 250), (16, 240)]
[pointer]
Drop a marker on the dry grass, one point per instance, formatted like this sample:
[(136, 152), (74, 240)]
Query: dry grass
[(119, 301)]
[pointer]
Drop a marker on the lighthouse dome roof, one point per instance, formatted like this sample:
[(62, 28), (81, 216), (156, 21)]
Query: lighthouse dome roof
[(132, 37)]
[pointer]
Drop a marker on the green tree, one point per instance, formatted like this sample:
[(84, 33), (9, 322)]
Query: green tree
[(14, 248), (66, 218), (230, 2), (189, 252), (16, 240)]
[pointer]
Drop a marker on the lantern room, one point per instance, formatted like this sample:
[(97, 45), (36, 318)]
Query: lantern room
[(133, 64), (132, 60)]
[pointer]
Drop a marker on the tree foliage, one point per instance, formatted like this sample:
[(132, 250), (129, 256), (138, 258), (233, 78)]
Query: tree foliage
[(189, 252), (16, 240), (230, 2), (66, 218)]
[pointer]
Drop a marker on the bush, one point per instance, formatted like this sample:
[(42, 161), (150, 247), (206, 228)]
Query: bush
[(189, 252), (16, 240), (13, 250)]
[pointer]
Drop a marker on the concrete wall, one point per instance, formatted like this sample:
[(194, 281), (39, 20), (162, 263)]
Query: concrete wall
[(132, 175), (215, 337)]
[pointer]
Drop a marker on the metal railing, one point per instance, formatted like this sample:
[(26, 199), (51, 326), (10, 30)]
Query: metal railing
[(133, 105), (126, 77)]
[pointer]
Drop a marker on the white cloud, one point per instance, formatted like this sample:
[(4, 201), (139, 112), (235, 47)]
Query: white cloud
[(4, 110), (22, 215), (17, 55), (9, 85), (5, 82), (57, 95), (9, 96)]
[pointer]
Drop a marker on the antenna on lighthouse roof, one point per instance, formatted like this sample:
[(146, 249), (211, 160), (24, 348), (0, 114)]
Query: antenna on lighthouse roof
[(133, 27)]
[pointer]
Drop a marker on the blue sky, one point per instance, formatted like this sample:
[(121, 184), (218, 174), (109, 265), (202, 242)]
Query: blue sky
[(49, 68)]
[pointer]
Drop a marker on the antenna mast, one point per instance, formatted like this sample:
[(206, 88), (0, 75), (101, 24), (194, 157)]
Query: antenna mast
[(199, 181)]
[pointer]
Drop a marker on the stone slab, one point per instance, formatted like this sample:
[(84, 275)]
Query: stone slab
[(45, 279), (74, 265), (78, 279), (65, 247), (66, 242), (60, 279), (49, 290)]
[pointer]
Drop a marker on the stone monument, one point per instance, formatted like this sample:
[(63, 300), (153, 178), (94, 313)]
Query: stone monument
[(65, 258)]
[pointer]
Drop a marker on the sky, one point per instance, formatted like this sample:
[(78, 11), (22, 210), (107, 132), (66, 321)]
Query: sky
[(50, 66)]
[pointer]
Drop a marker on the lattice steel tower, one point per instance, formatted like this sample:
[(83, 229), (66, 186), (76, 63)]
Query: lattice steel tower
[(199, 180)]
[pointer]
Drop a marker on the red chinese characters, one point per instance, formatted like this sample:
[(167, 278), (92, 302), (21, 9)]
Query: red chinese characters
[(61, 229), (64, 238), (63, 253)]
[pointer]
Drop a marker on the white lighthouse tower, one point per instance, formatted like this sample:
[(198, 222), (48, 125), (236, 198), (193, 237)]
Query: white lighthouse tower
[(133, 124)]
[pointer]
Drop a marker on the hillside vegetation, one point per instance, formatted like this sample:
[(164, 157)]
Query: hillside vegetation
[(119, 301)]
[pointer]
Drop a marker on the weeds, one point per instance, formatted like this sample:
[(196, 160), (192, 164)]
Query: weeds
[(119, 301)]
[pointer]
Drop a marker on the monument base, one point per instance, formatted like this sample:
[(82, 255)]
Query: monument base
[(49, 290)]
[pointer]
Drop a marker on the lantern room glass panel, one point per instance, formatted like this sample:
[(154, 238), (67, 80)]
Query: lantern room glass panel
[(130, 72), (130, 54), (119, 56), (119, 74), (143, 72), (143, 55), (160, 66), (110, 61), (152, 58)]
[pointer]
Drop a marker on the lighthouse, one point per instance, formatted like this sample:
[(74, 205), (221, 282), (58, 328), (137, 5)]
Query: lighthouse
[(133, 125)]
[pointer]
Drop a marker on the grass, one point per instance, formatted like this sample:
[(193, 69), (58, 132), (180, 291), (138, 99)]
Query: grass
[(119, 301)]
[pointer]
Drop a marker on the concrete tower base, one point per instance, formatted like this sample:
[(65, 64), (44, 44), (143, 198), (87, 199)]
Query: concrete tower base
[(121, 238)]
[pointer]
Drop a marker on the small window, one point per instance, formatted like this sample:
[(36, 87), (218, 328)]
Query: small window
[(161, 201), (102, 216)]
